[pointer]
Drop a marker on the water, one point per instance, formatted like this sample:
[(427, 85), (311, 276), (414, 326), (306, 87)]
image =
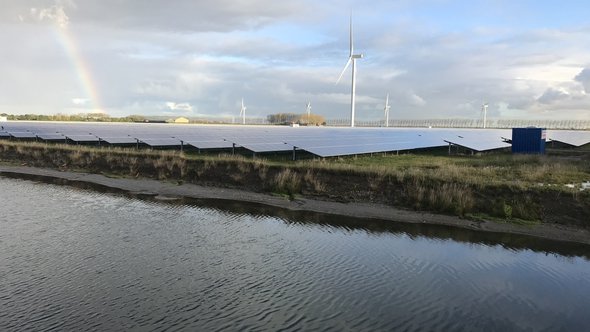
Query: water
[(74, 259)]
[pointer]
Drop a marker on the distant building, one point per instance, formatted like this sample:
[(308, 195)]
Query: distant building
[(3, 119), (181, 120)]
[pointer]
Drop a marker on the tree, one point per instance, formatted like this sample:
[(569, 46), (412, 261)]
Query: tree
[(312, 119), (282, 118), (287, 118)]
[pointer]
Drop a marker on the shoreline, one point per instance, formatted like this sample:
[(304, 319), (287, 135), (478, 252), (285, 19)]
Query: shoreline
[(162, 190)]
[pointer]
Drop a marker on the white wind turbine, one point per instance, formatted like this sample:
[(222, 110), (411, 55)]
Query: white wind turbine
[(351, 58), (308, 110), (484, 110), (243, 112), (386, 110)]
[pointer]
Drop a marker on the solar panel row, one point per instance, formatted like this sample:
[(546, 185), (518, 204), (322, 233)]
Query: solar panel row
[(571, 137), (320, 141)]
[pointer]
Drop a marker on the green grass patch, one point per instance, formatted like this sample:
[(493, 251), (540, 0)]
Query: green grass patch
[(483, 217)]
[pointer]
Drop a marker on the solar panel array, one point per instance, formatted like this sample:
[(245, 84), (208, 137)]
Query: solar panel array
[(319, 141), (571, 137), (474, 140)]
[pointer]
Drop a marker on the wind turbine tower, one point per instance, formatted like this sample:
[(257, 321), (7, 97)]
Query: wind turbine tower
[(484, 110), (386, 110), (308, 110), (351, 59), (243, 112)]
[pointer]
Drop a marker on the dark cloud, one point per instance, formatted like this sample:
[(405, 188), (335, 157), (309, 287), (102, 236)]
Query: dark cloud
[(584, 78), (552, 95)]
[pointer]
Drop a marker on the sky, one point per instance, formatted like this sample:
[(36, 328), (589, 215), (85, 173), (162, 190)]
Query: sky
[(435, 58)]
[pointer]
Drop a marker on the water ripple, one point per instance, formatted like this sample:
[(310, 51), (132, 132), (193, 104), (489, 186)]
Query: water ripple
[(93, 261)]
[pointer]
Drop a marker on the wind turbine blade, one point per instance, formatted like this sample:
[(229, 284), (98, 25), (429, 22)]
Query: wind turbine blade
[(351, 40), (387, 100), (343, 70)]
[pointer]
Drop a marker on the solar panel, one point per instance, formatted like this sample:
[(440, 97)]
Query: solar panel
[(51, 137), (268, 147), (209, 144), (322, 141), (575, 138), (26, 134), (82, 138), (161, 142), (480, 139), (119, 140), (364, 143), (481, 145), (347, 150)]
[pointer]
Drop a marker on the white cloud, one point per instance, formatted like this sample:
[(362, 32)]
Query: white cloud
[(80, 101), (54, 14), (182, 107), (416, 100)]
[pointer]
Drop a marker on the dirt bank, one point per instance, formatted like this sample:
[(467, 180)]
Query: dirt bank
[(170, 190), (434, 189)]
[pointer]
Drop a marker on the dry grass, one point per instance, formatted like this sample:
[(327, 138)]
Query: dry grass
[(453, 198), (312, 180), (287, 182), (478, 172), (435, 183)]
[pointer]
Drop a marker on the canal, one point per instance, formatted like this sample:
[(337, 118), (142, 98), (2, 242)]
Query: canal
[(78, 259)]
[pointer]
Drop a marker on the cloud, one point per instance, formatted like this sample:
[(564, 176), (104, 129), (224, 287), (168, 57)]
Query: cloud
[(143, 54), (416, 100), (552, 95), (182, 107), (80, 101), (584, 78), (54, 14), (187, 15)]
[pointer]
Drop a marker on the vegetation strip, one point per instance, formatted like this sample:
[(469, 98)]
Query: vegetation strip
[(505, 187)]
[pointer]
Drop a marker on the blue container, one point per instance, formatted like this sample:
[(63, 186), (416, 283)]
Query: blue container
[(528, 140)]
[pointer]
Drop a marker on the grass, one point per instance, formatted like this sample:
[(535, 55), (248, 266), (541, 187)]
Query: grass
[(501, 185), (287, 182), (505, 169), (517, 221)]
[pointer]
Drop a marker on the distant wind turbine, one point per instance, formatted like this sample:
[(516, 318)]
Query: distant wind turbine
[(484, 110), (351, 58), (308, 110), (243, 112), (386, 110)]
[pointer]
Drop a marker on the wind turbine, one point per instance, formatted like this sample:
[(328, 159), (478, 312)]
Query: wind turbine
[(243, 112), (308, 110), (484, 110), (351, 58), (386, 110)]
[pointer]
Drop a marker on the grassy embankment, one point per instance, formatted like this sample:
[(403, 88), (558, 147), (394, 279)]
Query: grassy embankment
[(513, 188)]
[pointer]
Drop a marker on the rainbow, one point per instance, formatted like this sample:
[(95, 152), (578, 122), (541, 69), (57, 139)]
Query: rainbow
[(82, 69)]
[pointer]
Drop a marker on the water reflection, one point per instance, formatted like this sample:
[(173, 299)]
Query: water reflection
[(507, 241), (440, 232), (79, 260)]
